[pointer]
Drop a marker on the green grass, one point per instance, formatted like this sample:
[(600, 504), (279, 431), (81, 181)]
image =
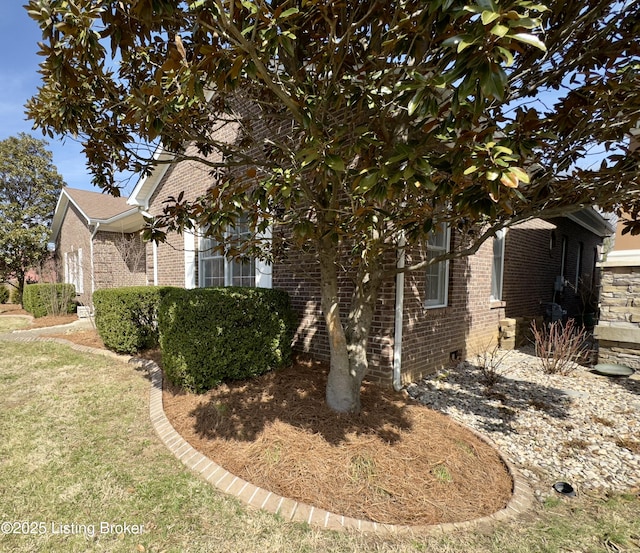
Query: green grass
[(77, 449), (9, 323)]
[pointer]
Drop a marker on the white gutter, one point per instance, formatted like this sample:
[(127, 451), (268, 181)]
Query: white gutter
[(399, 309)]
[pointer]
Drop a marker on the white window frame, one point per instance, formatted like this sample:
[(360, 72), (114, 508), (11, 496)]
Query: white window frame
[(260, 273), (497, 265), (73, 273), (440, 270)]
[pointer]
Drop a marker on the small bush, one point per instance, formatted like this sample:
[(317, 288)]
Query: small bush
[(4, 294), (489, 359), (127, 318), (49, 299), (560, 346), (214, 334)]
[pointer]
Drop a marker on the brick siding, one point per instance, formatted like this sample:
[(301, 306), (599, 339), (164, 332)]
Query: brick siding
[(533, 259), (118, 259)]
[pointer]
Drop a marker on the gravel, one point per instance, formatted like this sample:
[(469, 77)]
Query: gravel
[(553, 428)]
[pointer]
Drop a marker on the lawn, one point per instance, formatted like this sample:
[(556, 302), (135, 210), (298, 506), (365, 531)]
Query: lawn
[(82, 466), (9, 323)]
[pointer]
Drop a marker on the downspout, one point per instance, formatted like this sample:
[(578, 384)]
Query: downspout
[(399, 308)]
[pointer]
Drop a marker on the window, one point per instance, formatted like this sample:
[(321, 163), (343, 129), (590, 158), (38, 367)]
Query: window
[(497, 267), (73, 269), (437, 274), (563, 258), (216, 270)]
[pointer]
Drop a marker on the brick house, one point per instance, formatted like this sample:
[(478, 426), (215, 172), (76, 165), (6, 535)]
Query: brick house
[(618, 331), (422, 320), (97, 242)]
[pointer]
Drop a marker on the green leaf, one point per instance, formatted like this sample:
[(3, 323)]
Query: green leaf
[(530, 39), (463, 45), (503, 150), (415, 102), (251, 6), (499, 30), (521, 174), (452, 41), (289, 12), (335, 162), (367, 182), (492, 175), (471, 169), (489, 17)]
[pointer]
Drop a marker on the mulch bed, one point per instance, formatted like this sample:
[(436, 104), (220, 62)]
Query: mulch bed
[(396, 462)]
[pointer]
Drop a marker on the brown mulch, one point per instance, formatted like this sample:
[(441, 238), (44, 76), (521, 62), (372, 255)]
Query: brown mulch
[(396, 462)]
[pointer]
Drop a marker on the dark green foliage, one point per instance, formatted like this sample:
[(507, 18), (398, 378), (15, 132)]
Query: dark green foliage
[(126, 318), (4, 294), (214, 334), (49, 299)]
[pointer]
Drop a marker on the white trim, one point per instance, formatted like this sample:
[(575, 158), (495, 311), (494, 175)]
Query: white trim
[(146, 186), (589, 218), (264, 277), (621, 258), (189, 259), (155, 263), (502, 236), (445, 275), (80, 274)]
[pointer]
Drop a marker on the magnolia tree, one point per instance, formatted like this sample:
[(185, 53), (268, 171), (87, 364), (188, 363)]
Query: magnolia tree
[(388, 119), (29, 189)]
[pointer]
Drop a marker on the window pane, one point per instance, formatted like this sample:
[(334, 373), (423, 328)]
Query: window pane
[(435, 283), (497, 268), (212, 272), (243, 273), (437, 275)]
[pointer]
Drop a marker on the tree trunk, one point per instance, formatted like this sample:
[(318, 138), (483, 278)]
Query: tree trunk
[(347, 343)]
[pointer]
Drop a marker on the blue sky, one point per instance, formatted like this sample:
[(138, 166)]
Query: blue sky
[(19, 80)]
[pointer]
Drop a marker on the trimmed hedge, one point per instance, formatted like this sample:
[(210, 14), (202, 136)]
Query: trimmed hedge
[(4, 294), (127, 318), (49, 299), (209, 335)]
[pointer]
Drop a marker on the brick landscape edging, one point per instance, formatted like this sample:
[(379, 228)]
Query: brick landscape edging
[(289, 509)]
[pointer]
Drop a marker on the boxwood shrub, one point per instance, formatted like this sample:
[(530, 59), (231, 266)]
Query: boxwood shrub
[(4, 294), (127, 318), (209, 335), (49, 299)]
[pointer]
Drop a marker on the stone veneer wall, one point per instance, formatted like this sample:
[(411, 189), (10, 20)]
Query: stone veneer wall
[(618, 331)]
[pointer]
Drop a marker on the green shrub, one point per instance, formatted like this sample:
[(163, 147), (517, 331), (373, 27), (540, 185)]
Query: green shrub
[(213, 334), (126, 318), (15, 296), (4, 294), (49, 299)]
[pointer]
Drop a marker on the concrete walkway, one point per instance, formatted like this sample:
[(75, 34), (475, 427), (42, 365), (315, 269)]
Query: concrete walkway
[(254, 496)]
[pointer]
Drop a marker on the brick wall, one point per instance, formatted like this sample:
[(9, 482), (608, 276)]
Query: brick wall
[(118, 260), (469, 322), (533, 259), (300, 277)]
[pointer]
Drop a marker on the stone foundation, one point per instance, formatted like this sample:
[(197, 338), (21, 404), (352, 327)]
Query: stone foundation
[(618, 332)]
